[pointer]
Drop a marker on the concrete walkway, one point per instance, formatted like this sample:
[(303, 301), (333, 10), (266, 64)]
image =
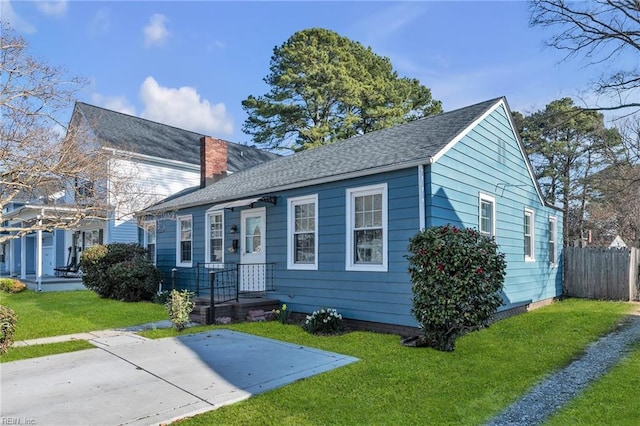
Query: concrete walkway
[(131, 380), (129, 332)]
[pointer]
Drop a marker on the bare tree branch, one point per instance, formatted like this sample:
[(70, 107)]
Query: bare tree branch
[(599, 31)]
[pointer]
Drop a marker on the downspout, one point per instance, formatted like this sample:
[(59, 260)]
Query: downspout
[(421, 198)]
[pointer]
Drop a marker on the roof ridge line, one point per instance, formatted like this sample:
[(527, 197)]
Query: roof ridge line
[(163, 124)]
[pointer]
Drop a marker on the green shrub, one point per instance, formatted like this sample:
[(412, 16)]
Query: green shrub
[(8, 320), (179, 305), (120, 271), (94, 270), (457, 275), (326, 321), (11, 285)]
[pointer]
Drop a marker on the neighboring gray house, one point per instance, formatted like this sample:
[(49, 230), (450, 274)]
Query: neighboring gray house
[(155, 160), (333, 223)]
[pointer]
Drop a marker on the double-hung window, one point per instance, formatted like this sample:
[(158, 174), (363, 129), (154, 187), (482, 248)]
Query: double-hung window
[(367, 228), (215, 237), (529, 229), (487, 215), (149, 241), (184, 239), (552, 241), (302, 241)]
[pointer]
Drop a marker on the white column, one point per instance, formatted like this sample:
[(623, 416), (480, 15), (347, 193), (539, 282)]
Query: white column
[(23, 257), (12, 266), (39, 257)]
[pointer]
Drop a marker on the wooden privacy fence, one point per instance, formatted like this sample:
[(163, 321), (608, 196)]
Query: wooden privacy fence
[(602, 273)]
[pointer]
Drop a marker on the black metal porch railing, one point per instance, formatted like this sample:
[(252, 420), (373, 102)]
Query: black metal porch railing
[(223, 282)]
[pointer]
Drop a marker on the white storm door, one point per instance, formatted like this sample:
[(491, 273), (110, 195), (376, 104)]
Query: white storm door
[(253, 255)]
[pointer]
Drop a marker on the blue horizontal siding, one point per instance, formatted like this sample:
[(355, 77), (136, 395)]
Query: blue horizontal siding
[(488, 160), (370, 296)]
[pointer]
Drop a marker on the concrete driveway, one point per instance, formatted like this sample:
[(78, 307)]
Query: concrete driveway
[(129, 380)]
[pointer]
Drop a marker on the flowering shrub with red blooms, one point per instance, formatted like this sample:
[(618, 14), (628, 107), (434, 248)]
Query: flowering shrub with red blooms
[(456, 277)]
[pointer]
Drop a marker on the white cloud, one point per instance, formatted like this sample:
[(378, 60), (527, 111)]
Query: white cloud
[(100, 22), (52, 7), (155, 33), (215, 45), (114, 103), (9, 15), (378, 27), (183, 108)]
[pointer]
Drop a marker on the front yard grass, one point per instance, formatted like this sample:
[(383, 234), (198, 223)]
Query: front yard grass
[(36, 351), (68, 312), (611, 399), (393, 384)]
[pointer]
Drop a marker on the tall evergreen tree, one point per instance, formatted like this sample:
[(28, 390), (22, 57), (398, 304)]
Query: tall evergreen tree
[(567, 145), (325, 87)]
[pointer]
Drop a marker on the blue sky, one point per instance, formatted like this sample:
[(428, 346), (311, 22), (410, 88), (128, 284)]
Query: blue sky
[(190, 64)]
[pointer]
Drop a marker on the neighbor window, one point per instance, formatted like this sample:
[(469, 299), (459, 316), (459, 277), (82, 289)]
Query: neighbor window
[(150, 240), (487, 215), (215, 237), (184, 229), (367, 228), (552, 240), (528, 235), (303, 232)]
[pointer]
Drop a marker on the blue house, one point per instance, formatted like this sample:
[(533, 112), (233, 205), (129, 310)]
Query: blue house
[(333, 223)]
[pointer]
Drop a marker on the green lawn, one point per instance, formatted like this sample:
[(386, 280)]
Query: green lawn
[(611, 399), (57, 313), (391, 384), (397, 385)]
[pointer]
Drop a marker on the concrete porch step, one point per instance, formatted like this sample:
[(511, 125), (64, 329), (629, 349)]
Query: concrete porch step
[(233, 310)]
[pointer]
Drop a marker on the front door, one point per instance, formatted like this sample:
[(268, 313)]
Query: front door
[(253, 255), (47, 260)]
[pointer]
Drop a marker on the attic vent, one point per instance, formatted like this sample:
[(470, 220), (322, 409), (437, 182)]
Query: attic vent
[(502, 152)]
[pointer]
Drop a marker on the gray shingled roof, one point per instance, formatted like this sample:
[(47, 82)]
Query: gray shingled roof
[(128, 133), (388, 149)]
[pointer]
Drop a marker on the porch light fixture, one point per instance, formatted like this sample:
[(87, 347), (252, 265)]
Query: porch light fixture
[(233, 229)]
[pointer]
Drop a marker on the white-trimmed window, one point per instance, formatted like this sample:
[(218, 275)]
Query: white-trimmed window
[(149, 239), (214, 249), (184, 249), (529, 232), (367, 228), (552, 240), (302, 232), (487, 215)]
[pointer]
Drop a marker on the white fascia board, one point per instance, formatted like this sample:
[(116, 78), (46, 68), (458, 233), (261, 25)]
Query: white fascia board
[(500, 103)]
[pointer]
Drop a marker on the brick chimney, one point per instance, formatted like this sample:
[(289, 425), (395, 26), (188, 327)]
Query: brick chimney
[(213, 160)]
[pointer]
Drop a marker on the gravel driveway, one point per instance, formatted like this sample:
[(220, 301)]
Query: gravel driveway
[(566, 384)]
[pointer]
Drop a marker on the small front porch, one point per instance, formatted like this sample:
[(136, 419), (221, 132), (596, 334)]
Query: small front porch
[(51, 283), (237, 292), (243, 309)]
